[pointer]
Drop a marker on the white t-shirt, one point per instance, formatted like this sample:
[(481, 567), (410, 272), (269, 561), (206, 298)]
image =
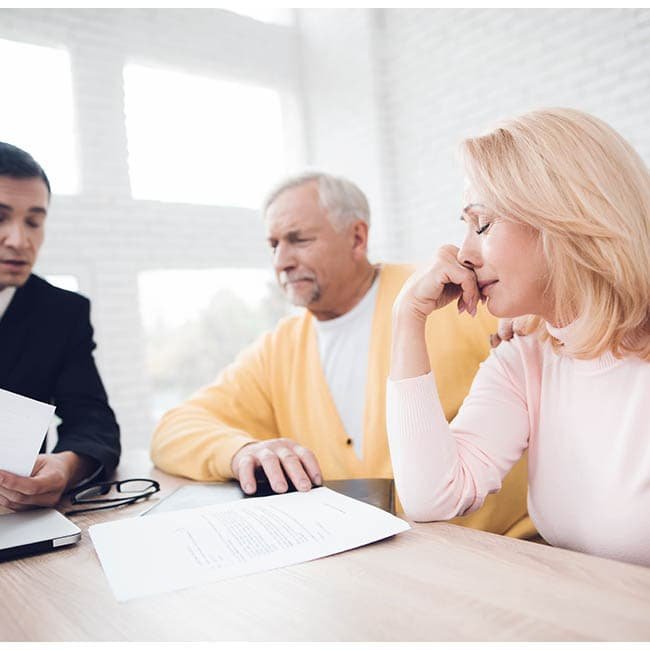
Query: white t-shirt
[(344, 344), (6, 295)]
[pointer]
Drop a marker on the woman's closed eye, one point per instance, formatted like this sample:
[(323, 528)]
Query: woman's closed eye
[(481, 229)]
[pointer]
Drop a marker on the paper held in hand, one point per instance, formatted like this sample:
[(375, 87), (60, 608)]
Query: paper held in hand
[(23, 425), (158, 553)]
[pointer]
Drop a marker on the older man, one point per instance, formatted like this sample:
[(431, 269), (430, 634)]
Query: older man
[(46, 345), (307, 401)]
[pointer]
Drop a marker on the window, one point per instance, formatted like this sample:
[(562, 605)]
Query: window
[(196, 322), (199, 140), (36, 111)]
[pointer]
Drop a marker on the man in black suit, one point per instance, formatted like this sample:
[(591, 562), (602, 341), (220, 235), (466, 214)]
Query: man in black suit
[(46, 344)]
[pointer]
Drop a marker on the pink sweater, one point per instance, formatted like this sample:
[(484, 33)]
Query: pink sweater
[(586, 425)]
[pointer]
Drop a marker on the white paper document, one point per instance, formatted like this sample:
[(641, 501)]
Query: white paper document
[(23, 425), (158, 553)]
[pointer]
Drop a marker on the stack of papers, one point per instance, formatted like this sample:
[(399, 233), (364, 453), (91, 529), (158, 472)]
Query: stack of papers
[(159, 553)]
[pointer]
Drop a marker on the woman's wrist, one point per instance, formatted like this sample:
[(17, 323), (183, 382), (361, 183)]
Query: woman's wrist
[(406, 313), (409, 357)]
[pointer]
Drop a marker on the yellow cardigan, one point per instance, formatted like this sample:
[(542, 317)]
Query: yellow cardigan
[(276, 388)]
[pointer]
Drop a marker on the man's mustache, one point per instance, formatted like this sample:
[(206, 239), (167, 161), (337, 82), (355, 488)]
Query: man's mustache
[(286, 277)]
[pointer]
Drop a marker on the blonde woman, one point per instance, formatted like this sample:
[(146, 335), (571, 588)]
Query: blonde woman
[(558, 226)]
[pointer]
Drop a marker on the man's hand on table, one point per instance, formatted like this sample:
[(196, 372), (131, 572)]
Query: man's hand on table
[(274, 456), (51, 476)]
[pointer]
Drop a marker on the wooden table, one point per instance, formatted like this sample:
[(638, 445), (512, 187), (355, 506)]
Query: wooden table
[(434, 582)]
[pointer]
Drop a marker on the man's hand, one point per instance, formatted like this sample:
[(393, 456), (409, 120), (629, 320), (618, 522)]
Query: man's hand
[(507, 328), (299, 464), (52, 474)]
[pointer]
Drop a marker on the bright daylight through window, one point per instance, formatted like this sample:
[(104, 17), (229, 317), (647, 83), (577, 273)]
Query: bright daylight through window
[(41, 121), (196, 322), (200, 140)]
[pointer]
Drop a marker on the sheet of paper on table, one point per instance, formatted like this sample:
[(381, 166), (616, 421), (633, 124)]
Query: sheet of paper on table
[(23, 425), (159, 553)]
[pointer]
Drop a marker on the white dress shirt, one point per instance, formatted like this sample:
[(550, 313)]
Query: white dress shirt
[(6, 295)]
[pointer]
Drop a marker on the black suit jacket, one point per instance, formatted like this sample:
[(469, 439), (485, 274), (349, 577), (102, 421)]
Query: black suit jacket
[(46, 345)]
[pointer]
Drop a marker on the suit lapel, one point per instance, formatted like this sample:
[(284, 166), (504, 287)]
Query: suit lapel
[(14, 329)]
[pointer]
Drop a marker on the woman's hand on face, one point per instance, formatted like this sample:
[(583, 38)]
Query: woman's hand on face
[(445, 280)]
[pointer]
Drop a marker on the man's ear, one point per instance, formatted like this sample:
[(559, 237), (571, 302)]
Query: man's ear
[(360, 237)]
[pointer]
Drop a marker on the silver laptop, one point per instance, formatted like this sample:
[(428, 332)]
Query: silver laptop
[(35, 531)]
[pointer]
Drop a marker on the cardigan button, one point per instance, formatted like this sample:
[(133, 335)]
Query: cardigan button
[(348, 441)]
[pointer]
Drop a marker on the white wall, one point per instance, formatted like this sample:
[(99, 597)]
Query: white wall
[(390, 93), (451, 73), (341, 83)]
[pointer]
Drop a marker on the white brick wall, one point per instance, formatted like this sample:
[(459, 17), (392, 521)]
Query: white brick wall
[(450, 73)]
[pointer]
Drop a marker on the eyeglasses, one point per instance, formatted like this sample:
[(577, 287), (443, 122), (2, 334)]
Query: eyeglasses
[(133, 489)]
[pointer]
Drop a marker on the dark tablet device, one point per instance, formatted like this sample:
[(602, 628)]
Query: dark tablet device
[(378, 492)]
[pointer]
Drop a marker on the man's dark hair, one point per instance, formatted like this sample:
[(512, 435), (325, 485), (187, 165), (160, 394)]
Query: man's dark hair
[(16, 163)]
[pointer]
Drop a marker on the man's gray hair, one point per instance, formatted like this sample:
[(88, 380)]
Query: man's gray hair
[(341, 198)]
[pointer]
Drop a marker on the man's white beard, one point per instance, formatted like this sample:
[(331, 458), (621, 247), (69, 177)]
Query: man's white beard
[(295, 298), (302, 299)]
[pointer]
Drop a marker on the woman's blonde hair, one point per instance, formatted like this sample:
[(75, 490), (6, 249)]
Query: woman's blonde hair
[(586, 191)]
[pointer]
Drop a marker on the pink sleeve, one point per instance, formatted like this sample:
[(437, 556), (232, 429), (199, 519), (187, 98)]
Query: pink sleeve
[(444, 470)]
